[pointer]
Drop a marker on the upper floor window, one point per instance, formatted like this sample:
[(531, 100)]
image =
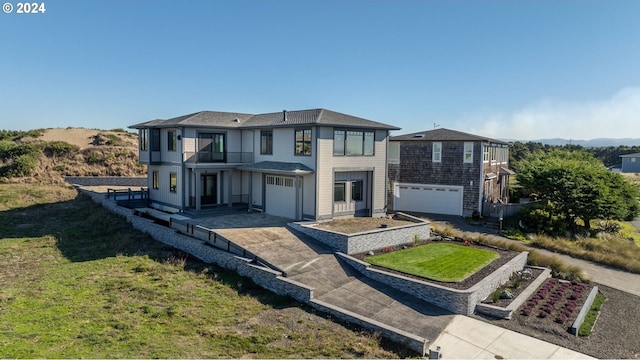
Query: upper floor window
[(144, 139), (468, 152), (436, 155), (393, 152), (353, 142), (303, 142), (155, 139), (266, 142), (171, 140), (494, 154), (485, 153)]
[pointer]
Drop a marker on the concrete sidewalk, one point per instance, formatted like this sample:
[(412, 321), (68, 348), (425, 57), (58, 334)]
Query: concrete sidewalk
[(310, 262), (467, 338)]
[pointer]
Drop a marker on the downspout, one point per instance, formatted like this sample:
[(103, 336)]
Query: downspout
[(185, 188)]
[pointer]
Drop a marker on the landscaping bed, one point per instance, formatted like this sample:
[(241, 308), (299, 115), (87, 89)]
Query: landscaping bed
[(505, 256), (362, 224), (616, 333)]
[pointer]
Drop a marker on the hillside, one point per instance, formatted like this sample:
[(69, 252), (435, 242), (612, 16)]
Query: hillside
[(48, 155)]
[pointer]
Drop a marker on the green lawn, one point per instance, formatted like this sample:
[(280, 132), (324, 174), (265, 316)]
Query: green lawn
[(78, 282), (436, 261)]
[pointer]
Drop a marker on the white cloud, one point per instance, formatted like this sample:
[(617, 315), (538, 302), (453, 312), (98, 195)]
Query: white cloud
[(616, 117)]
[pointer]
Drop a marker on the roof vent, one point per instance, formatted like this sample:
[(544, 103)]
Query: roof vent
[(284, 115), (236, 120), (419, 136)]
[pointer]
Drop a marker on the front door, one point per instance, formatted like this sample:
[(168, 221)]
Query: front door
[(209, 186)]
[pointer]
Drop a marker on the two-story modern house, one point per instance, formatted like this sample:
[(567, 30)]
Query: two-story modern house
[(308, 164), (444, 171)]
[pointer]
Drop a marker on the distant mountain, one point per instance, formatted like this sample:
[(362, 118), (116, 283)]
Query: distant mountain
[(600, 142)]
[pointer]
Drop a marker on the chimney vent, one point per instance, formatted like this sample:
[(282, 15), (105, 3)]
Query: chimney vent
[(284, 115)]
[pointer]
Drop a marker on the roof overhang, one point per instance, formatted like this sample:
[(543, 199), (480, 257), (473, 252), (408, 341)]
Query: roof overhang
[(506, 171), (277, 167)]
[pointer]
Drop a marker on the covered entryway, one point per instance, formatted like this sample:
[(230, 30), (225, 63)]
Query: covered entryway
[(435, 199), (280, 196)]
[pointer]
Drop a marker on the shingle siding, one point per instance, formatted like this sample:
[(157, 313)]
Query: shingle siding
[(417, 167)]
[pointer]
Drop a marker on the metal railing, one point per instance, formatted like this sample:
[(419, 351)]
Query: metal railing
[(216, 240), (207, 157), (128, 194)]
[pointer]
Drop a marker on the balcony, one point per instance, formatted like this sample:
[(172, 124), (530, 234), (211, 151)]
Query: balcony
[(207, 157)]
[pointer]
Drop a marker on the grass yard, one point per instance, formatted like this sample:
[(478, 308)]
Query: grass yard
[(436, 261), (78, 282)]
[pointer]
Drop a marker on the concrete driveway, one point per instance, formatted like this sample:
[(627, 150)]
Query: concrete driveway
[(312, 263)]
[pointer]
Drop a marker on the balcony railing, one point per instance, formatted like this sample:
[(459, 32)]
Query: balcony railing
[(206, 157)]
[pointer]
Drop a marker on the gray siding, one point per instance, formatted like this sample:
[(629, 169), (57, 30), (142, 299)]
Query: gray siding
[(631, 164)]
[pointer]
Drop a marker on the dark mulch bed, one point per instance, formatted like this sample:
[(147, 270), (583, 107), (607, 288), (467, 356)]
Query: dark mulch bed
[(505, 256), (535, 272), (616, 333)]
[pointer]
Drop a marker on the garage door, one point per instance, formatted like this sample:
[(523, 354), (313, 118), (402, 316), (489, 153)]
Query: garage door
[(280, 196), (435, 199)]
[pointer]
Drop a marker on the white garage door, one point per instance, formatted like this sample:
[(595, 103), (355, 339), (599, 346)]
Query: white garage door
[(436, 199), (280, 196)]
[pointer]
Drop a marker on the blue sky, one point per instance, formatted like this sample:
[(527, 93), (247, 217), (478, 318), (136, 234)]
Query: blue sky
[(505, 69)]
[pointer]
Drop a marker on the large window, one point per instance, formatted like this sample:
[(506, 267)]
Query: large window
[(144, 139), (339, 192), (155, 139), (353, 142), (156, 180), (356, 190), (173, 182), (266, 142), (211, 147), (171, 140), (468, 152), (303, 142), (393, 152), (436, 155)]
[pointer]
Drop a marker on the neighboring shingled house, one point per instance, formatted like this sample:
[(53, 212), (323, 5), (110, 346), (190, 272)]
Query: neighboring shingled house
[(308, 164), (630, 163), (444, 171)]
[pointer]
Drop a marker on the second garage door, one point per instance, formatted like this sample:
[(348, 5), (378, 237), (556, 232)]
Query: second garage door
[(280, 196), (435, 199)]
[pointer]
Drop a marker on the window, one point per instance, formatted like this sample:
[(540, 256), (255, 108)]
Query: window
[(144, 139), (393, 152), (485, 153), (171, 140), (493, 154), (155, 139), (303, 142), (338, 142), (356, 190), (369, 138), (339, 192), (436, 156), (468, 152), (173, 182), (156, 180), (266, 142), (633, 159), (353, 142), (211, 147)]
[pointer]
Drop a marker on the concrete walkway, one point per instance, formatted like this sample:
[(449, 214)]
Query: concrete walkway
[(617, 279), (310, 262)]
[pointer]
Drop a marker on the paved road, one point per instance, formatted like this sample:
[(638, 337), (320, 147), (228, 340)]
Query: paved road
[(617, 279)]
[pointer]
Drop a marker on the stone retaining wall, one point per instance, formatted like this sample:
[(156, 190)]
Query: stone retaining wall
[(457, 301), (107, 181), (368, 240), (267, 278), (506, 312)]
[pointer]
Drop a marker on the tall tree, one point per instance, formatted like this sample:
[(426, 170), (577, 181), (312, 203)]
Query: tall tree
[(578, 186)]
